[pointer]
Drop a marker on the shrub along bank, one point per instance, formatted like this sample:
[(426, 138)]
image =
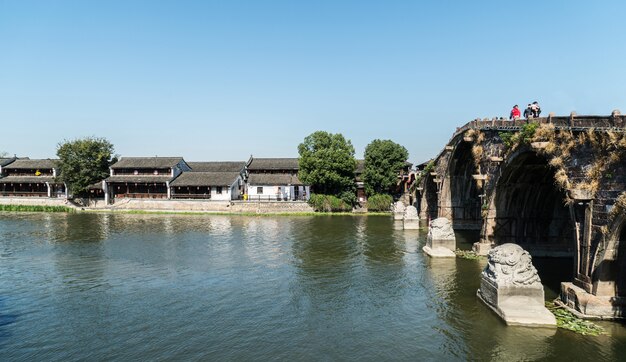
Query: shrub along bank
[(36, 208), (328, 203), (380, 202)]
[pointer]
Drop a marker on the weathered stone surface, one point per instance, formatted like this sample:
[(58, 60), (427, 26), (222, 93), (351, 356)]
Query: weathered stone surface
[(173, 205), (578, 194), (441, 229), (438, 252), (411, 213), (40, 201), (481, 248), (511, 287), (398, 209), (411, 218), (587, 305), (441, 241), (411, 224), (523, 181)]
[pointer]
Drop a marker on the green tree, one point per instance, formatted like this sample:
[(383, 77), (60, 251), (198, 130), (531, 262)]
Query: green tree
[(383, 160), (327, 163), (83, 162)]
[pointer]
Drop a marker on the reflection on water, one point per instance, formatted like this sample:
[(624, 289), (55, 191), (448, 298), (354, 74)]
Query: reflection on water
[(127, 287)]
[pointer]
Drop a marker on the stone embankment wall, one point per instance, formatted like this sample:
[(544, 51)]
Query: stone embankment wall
[(172, 205), (209, 206), (34, 201)]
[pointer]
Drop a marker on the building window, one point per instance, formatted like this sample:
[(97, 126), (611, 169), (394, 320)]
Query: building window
[(218, 190), (259, 190)]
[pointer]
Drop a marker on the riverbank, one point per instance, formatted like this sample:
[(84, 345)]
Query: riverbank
[(192, 207)]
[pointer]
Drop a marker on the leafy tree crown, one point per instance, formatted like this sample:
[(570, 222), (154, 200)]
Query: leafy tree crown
[(383, 160), (83, 162), (327, 163)]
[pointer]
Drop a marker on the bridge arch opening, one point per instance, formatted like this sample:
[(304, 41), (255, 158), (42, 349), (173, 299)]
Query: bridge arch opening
[(464, 193), (431, 193), (620, 285), (530, 211)]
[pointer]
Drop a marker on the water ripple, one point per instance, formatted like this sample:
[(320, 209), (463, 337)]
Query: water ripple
[(197, 287)]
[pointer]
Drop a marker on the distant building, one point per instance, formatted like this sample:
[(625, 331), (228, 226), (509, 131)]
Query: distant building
[(217, 166), (214, 180), (406, 176), (207, 185), (361, 196), (275, 179), (30, 178), (5, 161), (142, 177)]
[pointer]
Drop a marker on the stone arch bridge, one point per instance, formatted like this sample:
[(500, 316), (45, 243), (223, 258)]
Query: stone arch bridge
[(554, 185)]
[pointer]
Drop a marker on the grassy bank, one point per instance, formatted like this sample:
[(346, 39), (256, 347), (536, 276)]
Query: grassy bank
[(36, 208)]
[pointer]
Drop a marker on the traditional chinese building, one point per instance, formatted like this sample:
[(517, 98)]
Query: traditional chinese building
[(406, 177), (216, 180), (207, 186), (218, 166), (4, 161), (31, 178), (361, 196), (143, 177), (275, 179)]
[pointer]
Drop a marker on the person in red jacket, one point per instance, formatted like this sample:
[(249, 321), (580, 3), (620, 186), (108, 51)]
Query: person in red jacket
[(515, 113)]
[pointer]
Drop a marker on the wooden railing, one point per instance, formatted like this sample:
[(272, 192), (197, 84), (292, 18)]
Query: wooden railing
[(258, 198), (137, 195), (25, 194), (573, 122), (192, 196)]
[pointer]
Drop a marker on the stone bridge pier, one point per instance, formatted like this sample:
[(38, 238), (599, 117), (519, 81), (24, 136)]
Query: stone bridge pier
[(555, 186)]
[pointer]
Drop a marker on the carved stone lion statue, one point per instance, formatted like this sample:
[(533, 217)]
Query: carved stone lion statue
[(398, 207), (509, 264), (411, 213)]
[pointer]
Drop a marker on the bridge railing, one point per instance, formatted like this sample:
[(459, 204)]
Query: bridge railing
[(615, 122)]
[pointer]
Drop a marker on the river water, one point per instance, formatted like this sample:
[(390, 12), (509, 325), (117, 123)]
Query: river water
[(197, 287)]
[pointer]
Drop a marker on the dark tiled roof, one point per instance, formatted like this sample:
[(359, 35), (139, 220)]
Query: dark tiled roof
[(273, 164), (6, 161), (422, 165), (138, 178), (220, 166), (95, 186), (205, 179), (147, 162), (32, 164), (274, 179), (27, 179), (360, 166)]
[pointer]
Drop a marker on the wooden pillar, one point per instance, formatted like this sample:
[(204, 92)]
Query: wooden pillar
[(105, 189)]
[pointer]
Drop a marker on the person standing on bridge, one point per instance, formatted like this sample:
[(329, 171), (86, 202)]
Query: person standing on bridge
[(536, 110), (528, 112), (515, 113)]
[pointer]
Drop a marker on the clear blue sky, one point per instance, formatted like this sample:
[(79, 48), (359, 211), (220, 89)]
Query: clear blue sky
[(220, 80)]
